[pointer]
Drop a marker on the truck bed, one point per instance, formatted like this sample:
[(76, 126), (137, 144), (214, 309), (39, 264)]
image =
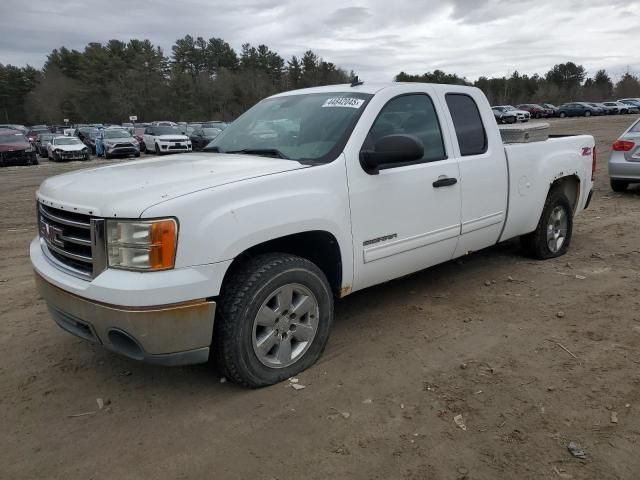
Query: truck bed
[(533, 167)]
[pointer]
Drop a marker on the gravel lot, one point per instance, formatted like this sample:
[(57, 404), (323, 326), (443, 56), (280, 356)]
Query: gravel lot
[(532, 354)]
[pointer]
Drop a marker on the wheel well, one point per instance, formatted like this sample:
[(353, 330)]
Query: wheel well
[(317, 246), (570, 185)]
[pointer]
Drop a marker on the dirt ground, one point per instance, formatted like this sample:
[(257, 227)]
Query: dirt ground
[(531, 354)]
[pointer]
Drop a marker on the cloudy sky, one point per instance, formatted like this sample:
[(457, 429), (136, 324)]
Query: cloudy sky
[(376, 38)]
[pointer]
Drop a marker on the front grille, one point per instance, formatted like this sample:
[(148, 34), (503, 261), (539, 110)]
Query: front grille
[(72, 155), (73, 240), (123, 145), (172, 140), (177, 147), (17, 157)]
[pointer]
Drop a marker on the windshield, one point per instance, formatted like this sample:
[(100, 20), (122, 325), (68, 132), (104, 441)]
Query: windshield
[(12, 138), (67, 141), (166, 131), (313, 126), (116, 134)]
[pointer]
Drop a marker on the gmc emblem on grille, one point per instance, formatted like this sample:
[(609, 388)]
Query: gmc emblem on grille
[(51, 234)]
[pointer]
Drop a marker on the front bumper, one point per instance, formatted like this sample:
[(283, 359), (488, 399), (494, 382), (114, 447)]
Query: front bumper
[(123, 151), (171, 335)]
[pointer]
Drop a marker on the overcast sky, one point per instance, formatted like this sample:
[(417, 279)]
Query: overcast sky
[(376, 38)]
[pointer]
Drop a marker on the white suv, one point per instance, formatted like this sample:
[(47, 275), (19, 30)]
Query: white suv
[(165, 139)]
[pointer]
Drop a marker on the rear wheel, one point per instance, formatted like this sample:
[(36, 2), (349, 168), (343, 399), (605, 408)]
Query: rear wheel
[(619, 185), (552, 236), (587, 113), (273, 321), (562, 115)]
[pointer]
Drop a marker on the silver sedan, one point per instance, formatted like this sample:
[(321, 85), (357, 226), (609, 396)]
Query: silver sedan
[(624, 163)]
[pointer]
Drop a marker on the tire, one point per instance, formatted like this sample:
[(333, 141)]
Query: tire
[(512, 120), (137, 155), (106, 155), (562, 114), (256, 286), (618, 185), (587, 113), (34, 159), (157, 149), (143, 147), (545, 242)]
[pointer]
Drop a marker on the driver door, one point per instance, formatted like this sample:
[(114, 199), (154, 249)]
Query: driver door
[(405, 218)]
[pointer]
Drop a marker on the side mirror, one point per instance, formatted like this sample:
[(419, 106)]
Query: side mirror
[(391, 150)]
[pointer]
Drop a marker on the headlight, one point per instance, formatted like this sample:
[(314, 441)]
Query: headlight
[(142, 245)]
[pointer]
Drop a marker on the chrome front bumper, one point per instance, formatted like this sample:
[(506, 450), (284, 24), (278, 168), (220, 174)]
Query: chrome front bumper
[(176, 334)]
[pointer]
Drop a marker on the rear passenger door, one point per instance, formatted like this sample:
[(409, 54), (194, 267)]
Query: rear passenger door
[(483, 169)]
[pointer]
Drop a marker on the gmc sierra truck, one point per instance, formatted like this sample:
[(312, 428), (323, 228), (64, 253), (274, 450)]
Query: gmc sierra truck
[(238, 253)]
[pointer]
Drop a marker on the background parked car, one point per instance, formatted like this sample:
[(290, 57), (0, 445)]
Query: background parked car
[(165, 139), (624, 162), (15, 149), (33, 132), (504, 116), (578, 109), (201, 136), (67, 148), (521, 115), (14, 126), (87, 135), (607, 110), (118, 142), (138, 134), (41, 143), (632, 102), (552, 110), (535, 110)]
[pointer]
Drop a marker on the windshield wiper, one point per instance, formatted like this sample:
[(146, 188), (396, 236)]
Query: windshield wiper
[(272, 152)]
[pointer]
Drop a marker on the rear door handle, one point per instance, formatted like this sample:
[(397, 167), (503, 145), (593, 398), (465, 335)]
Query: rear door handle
[(444, 182)]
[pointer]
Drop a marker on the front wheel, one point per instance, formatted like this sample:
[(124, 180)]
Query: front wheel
[(587, 113), (552, 236), (562, 115), (273, 321), (619, 185), (157, 149)]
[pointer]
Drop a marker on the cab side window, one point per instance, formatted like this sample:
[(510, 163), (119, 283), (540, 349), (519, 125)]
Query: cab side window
[(410, 115), (472, 137)]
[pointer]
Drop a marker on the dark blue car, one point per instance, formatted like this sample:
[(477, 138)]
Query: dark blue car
[(578, 109)]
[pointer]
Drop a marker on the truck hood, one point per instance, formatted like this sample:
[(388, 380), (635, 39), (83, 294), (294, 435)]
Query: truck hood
[(127, 189)]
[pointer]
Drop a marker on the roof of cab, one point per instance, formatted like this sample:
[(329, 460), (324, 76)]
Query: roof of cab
[(370, 88)]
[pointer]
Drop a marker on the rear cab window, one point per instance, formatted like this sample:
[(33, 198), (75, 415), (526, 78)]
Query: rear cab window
[(470, 131)]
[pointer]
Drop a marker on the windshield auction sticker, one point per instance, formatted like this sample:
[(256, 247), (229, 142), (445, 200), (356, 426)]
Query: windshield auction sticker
[(343, 102)]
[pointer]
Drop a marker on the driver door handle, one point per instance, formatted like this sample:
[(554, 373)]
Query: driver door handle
[(444, 182)]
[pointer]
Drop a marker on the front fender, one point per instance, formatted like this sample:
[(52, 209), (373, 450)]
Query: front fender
[(220, 223)]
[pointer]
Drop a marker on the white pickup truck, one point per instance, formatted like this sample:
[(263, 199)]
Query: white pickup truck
[(238, 253)]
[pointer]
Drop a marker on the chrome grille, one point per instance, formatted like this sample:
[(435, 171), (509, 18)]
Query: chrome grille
[(73, 241)]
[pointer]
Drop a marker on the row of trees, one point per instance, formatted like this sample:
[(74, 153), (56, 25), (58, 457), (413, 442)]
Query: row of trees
[(200, 80), (207, 79), (563, 83)]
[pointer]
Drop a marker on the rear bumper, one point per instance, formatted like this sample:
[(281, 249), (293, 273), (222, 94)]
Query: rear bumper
[(622, 169), (176, 334)]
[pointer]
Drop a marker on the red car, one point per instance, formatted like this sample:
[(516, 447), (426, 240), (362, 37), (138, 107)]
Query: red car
[(534, 109), (15, 149)]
